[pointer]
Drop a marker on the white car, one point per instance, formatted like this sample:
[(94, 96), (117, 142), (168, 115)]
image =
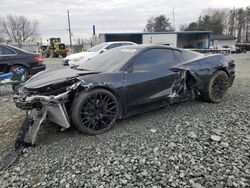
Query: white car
[(79, 58)]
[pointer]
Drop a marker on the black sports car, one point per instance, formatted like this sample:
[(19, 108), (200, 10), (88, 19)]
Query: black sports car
[(120, 83), (12, 57)]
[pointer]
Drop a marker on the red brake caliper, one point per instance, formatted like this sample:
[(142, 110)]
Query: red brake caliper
[(105, 109)]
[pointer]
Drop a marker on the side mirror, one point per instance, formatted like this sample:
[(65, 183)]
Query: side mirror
[(104, 50)]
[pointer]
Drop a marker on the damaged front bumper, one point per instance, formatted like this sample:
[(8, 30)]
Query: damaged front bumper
[(41, 107)]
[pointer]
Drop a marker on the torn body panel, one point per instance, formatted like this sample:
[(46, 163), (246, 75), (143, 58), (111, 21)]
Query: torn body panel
[(185, 85)]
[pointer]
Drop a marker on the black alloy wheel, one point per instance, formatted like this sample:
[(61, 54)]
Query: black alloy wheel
[(217, 87), (95, 112)]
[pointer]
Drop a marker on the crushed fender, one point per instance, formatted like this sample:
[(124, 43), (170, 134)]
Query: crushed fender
[(183, 88)]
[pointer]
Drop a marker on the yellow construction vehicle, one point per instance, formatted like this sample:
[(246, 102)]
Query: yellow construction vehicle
[(54, 49)]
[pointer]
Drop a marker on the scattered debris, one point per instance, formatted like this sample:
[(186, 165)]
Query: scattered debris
[(224, 144), (192, 135), (171, 145), (215, 138), (153, 130)]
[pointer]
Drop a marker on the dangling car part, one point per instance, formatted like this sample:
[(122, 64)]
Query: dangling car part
[(120, 83)]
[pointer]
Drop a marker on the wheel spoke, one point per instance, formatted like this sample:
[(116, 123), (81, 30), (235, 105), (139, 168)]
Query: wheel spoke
[(219, 87), (98, 111)]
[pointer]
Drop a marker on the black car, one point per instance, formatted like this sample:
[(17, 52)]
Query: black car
[(12, 57), (123, 82)]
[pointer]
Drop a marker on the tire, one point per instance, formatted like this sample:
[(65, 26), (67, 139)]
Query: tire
[(94, 112), (64, 55), (55, 55), (217, 87)]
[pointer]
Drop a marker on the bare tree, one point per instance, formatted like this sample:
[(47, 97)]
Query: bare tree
[(231, 22), (247, 24), (18, 29), (241, 19), (79, 45), (91, 41)]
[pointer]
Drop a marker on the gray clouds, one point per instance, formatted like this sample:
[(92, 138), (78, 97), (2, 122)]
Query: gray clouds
[(108, 15)]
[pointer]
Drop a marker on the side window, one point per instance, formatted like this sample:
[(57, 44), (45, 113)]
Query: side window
[(154, 59), (6, 51), (126, 44), (113, 46)]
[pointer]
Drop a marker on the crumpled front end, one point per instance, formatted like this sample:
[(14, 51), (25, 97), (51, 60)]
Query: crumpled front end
[(49, 104)]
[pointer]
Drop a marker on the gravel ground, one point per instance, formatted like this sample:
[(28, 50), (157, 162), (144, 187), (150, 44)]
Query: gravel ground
[(193, 144)]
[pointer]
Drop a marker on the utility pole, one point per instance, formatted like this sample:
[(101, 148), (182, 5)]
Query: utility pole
[(70, 41), (173, 20)]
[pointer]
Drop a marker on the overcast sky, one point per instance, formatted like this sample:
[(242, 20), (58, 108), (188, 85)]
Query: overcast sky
[(107, 15)]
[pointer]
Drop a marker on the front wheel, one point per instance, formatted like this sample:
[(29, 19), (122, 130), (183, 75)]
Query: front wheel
[(217, 87), (94, 112)]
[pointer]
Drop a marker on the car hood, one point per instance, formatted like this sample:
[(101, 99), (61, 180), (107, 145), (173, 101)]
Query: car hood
[(53, 76), (80, 55)]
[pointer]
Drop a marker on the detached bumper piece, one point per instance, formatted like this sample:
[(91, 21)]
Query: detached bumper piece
[(38, 108)]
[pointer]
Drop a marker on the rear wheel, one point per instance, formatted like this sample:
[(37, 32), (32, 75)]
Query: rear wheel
[(217, 87), (94, 112)]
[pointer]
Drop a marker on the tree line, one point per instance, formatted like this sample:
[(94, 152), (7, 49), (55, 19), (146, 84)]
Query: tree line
[(234, 22)]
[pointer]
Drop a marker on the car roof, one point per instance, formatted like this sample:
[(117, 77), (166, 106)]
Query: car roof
[(148, 46), (120, 42)]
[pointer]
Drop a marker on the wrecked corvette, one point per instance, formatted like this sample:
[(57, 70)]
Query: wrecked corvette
[(120, 83)]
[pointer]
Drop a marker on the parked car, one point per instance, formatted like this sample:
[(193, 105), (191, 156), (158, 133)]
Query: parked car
[(123, 82), (12, 58), (231, 49), (79, 58), (240, 50)]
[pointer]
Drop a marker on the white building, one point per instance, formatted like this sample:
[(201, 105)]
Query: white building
[(218, 41), (185, 39)]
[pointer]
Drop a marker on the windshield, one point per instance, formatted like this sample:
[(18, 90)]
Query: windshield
[(97, 47), (109, 61)]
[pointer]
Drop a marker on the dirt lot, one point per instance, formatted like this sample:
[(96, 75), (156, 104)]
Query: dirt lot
[(193, 144)]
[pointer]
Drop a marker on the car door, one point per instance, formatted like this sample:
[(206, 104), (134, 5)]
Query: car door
[(148, 79), (7, 56)]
